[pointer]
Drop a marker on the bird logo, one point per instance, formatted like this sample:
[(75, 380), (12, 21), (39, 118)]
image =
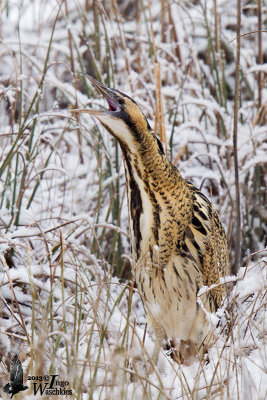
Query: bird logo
[(15, 384)]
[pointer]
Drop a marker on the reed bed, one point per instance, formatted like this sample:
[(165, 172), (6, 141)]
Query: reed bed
[(69, 306)]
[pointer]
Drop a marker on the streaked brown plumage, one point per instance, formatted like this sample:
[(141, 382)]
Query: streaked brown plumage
[(178, 242)]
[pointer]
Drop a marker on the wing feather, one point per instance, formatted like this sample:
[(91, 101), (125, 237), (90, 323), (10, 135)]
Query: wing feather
[(206, 241)]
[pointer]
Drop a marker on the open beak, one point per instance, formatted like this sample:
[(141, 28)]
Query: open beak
[(107, 93)]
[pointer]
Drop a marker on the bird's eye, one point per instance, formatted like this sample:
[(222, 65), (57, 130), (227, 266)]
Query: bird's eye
[(121, 101)]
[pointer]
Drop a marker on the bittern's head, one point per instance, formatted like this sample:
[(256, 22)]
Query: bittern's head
[(123, 119)]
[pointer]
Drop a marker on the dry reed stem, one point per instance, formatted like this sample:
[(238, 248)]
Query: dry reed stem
[(236, 265), (260, 55), (159, 108), (159, 124)]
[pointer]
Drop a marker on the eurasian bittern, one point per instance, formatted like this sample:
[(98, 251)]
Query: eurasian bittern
[(177, 240)]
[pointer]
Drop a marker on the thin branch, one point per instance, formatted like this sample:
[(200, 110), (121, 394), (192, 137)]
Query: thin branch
[(236, 115), (244, 34), (260, 60)]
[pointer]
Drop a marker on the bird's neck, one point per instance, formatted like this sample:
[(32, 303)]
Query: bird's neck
[(147, 161), (154, 187)]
